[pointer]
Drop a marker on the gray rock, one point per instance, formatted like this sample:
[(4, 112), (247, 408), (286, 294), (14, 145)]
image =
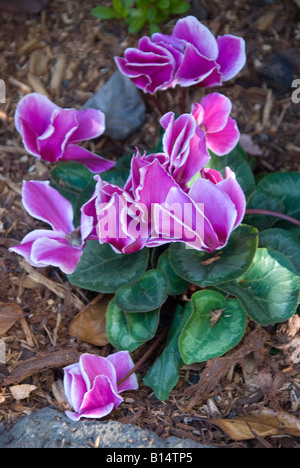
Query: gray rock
[(122, 104), (48, 428)]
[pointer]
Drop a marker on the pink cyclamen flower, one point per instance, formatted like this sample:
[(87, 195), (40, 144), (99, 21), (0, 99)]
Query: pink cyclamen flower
[(153, 209), (91, 385), (190, 56), (60, 247), (212, 115), (52, 133)]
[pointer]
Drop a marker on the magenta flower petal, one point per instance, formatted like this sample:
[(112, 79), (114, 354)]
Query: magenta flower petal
[(92, 365), (24, 249), (59, 254), (194, 68), (32, 118), (123, 364), (194, 32), (45, 203), (92, 161), (91, 124), (235, 193), (224, 141), (100, 396), (53, 141), (218, 208), (95, 413), (150, 66), (217, 108), (232, 55), (74, 385)]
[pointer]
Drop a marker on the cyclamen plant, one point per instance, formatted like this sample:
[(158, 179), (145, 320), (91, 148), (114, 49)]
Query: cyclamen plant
[(187, 212)]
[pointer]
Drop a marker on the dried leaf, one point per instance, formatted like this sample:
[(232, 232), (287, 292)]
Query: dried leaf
[(9, 314), (90, 324), (20, 392), (2, 351), (263, 424)]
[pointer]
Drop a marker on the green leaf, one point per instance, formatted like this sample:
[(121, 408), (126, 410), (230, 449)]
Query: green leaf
[(153, 28), (205, 269), (104, 12), (283, 241), (269, 290), (83, 198), (117, 329), (237, 161), (180, 8), (259, 200), (148, 293), (163, 4), (70, 179), (164, 374), (285, 186), (116, 176), (118, 6), (142, 327), (103, 270), (124, 162), (215, 327), (136, 23), (177, 285)]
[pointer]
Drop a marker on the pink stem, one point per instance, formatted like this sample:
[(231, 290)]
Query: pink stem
[(157, 104), (274, 213)]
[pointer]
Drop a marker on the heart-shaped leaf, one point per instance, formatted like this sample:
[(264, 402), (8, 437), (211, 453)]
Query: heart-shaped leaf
[(269, 290), (204, 269), (164, 374), (144, 295), (117, 329), (283, 241), (214, 327), (177, 285), (103, 270), (142, 327)]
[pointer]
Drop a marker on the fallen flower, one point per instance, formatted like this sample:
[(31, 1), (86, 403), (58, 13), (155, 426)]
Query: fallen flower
[(190, 56), (91, 385), (61, 247), (52, 133)]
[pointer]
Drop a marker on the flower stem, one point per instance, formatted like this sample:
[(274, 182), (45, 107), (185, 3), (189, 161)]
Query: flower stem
[(157, 104), (145, 356), (274, 213), (183, 100)]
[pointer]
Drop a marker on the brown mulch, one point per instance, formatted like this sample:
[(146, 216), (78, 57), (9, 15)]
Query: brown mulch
[(67, 54)]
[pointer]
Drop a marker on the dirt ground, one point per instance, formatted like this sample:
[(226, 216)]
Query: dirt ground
[(68, 54)]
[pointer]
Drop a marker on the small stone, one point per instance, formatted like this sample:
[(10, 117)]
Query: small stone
[(123, 106)]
